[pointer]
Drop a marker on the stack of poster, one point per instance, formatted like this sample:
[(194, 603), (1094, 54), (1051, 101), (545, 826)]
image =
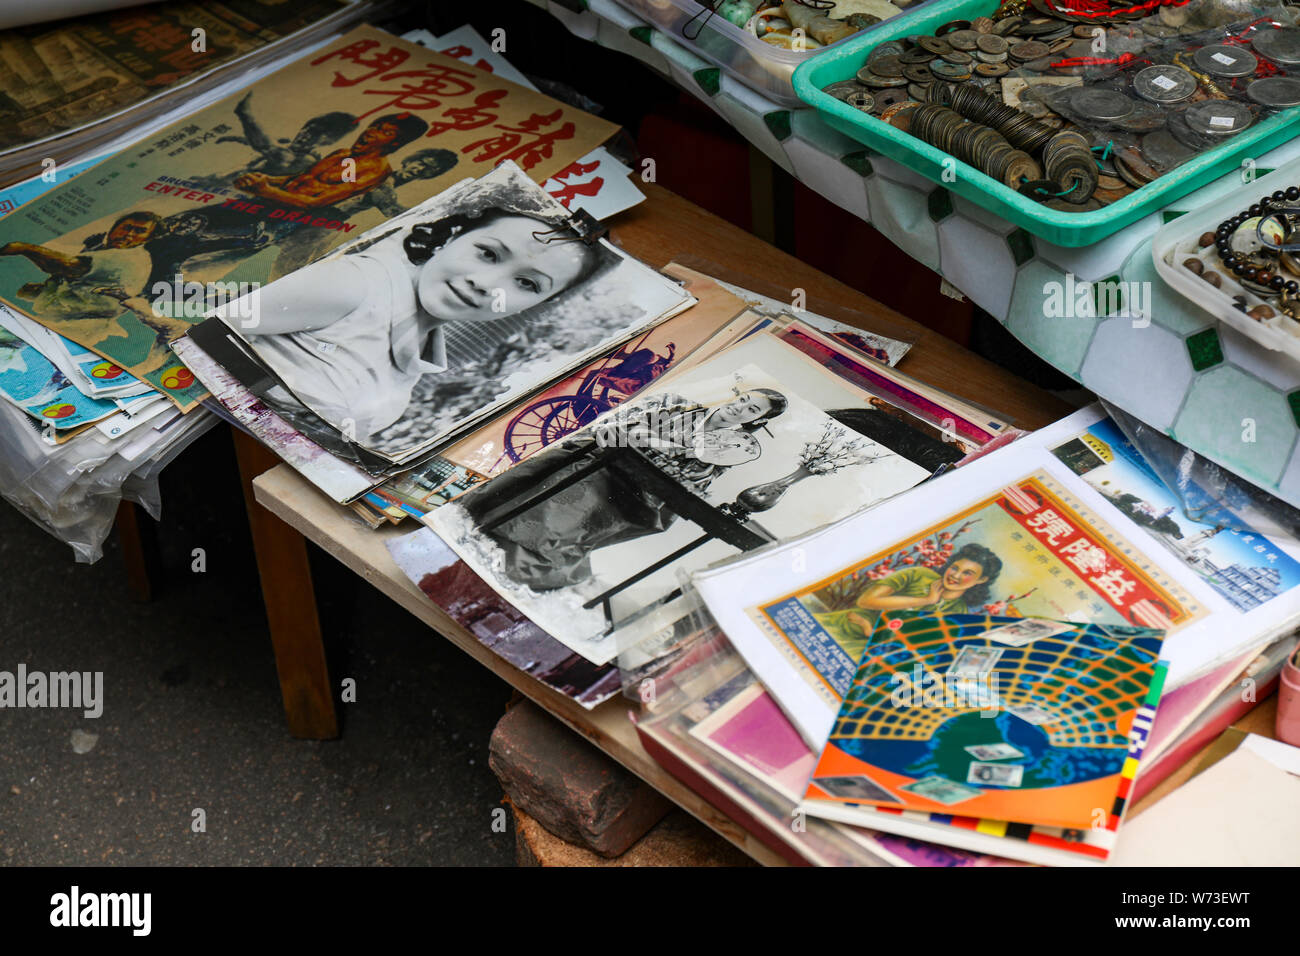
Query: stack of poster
[(128, 256), (105, 261), (588, 538), (718, 321), (1061, 526), (423, 328)]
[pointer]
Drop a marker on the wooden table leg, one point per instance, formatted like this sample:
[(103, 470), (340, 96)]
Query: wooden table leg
[(139, 550), (290, 605)]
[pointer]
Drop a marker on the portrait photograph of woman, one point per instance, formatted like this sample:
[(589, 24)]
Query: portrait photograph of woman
[(446, 312)]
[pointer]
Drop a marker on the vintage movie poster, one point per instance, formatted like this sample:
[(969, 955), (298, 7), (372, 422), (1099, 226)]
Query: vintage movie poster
[(943, 717), (589, 537), (262, 183), (442, 316)]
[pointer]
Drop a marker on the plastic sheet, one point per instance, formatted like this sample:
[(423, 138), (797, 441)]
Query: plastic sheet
[(1207, 492), (73, 490)]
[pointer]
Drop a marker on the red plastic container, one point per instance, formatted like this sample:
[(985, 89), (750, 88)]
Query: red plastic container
[(1288, 703)]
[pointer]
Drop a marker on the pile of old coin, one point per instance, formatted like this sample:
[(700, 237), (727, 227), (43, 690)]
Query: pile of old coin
[(1094, 127), (984, 148), (1020, 129)]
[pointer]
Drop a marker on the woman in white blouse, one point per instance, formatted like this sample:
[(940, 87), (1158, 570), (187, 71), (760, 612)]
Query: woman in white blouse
[(352, 335)]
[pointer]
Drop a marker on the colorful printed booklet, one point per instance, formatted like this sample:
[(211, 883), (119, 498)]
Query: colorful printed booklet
[(1017, 533), (967, 714)]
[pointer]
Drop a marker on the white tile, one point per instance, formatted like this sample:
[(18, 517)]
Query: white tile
[(899, 173), (829, 177), (902, 214), (1145, 371), (979, 214), (1272, 366), (978, 262), (1103, 259), (750, 125)]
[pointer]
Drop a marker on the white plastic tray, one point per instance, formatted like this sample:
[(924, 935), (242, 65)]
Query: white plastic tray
[(762, 66), (1180, 239)]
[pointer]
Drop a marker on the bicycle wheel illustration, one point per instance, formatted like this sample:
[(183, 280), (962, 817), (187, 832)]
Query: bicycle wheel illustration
[(548, 421)]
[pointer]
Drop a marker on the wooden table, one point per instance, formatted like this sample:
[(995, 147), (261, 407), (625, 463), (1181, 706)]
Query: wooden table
[(285, 510)]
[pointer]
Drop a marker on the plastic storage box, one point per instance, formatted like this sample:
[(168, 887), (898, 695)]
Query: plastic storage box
[(842, 61), (759, 65), (1179, 240)]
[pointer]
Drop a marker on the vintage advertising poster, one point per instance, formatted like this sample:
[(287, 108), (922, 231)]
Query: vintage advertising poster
[(1060, 550), (443, 315), (374, 125), (1244, 565), (941, 716), (589, 537)]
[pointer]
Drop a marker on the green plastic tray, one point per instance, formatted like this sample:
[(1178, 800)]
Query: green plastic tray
[(842, 61)]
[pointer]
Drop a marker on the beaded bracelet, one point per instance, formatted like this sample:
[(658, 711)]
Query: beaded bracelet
[(1240, 265)]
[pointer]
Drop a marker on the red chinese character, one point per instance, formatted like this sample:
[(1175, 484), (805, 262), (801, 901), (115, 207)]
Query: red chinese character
[(512, 144), (1049, 525), (565, 194), (434, 82), (355, 53), (1113, 584), (577, 168), (470, 117)]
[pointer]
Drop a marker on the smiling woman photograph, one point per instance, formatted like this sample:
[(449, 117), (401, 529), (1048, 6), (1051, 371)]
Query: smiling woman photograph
[(485, 289), (961, 586)]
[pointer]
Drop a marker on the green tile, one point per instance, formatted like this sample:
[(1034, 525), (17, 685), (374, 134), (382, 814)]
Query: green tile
[(1294, 401), (710, 80), (778, 123), (859, 162), (1103, 297), (1022, 246), (939, 203), (1205, 349), (1060, 340), (1169, 215), (641, 33)]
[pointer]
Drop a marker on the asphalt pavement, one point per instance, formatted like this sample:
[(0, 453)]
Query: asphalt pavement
[(192, 719)]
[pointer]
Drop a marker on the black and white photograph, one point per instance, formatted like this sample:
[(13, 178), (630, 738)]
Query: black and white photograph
[(589, 537), (434, 319)]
